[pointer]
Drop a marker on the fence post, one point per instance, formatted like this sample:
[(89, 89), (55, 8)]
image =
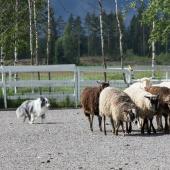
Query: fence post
[(166, 75), (40, 90), (78, 85), (127, 76), (4, 87), (75, 86)]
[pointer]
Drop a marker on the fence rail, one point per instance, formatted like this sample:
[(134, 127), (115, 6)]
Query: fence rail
[(59, 82)]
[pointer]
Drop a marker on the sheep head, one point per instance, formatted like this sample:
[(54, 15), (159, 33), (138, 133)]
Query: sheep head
[(167, 100), (103, 84), (154, 101), (130, 114), (145, 82)]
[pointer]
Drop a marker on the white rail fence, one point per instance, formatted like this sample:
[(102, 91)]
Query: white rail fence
[(59, 82)]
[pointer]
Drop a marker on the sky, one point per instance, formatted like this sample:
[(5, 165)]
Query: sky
[(80, 8)]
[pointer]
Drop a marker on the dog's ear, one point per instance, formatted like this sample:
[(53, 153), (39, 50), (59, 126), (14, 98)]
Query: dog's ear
[(42, 98)]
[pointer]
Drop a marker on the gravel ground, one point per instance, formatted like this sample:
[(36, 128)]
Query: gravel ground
[(65, 142)]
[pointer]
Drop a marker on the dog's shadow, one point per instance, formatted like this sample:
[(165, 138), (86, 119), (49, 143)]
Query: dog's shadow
[(47, 123)]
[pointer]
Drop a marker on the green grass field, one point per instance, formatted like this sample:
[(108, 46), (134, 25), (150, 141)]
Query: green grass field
[(129, 59)]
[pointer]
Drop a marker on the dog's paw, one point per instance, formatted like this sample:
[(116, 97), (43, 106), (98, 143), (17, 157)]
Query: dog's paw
[(30, 122)]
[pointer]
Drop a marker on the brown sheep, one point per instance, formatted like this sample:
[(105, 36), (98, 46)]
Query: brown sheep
[(164, 101), (90, 102)]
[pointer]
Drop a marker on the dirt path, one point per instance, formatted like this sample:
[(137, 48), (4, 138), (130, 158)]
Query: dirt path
[(65, 142)]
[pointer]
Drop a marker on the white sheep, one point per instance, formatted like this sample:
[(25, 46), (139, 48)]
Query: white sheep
[(146, 102), (118, 106), (145, 82), (163, 84)]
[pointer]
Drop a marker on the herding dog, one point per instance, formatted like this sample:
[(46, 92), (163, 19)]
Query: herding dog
[(33, 109)]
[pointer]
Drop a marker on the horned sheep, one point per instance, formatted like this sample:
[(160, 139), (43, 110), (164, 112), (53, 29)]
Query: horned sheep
[(118, 106), (90, 102)]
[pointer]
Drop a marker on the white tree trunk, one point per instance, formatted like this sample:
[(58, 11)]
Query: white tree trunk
[(102, 38), (3, 78), (31, 32), (48, 33), (120, 34), (49, 41), (153, 53), (16, 42), (36, 34), (16, 34), (2, 56)]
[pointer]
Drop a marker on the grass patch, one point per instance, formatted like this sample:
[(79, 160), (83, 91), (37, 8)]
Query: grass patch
[(158, 74), (53, 103), (63, 104), (100, 76), (24, 90)]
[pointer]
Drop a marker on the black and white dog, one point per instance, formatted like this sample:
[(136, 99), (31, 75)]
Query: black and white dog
[(33, 109)]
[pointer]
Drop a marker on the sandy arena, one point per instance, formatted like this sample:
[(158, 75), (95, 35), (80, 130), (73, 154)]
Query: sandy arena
[(65, 142)]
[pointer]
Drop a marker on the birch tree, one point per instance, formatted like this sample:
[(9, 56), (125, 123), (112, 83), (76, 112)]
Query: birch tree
[(102, 38), (16, 41), (16, 33), (153, 52), (48, 33), (31, 30), (120, 34), (36, 33)]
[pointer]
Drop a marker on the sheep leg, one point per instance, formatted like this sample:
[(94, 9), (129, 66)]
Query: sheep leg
[(148, 127), (117, 128), (166, 124), (100, 122), (89, 118), (128, 127), (121, 123), (113, 127), (91, 123), (104, 121), (143, 126), (151, 126), (169, 119), (159, 122)]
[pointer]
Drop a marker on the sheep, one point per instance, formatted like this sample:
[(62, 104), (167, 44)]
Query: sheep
[(163, 84), (146, 102), (118, 106), (90, 102), (145, 82), (164, 102), (159, 116)]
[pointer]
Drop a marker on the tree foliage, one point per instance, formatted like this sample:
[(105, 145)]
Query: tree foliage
[(76, 37), (159, 12)]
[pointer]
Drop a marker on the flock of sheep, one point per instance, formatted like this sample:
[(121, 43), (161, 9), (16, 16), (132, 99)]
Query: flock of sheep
[(140, 102)]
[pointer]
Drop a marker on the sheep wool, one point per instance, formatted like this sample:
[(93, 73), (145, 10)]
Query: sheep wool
[(116, 105)]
